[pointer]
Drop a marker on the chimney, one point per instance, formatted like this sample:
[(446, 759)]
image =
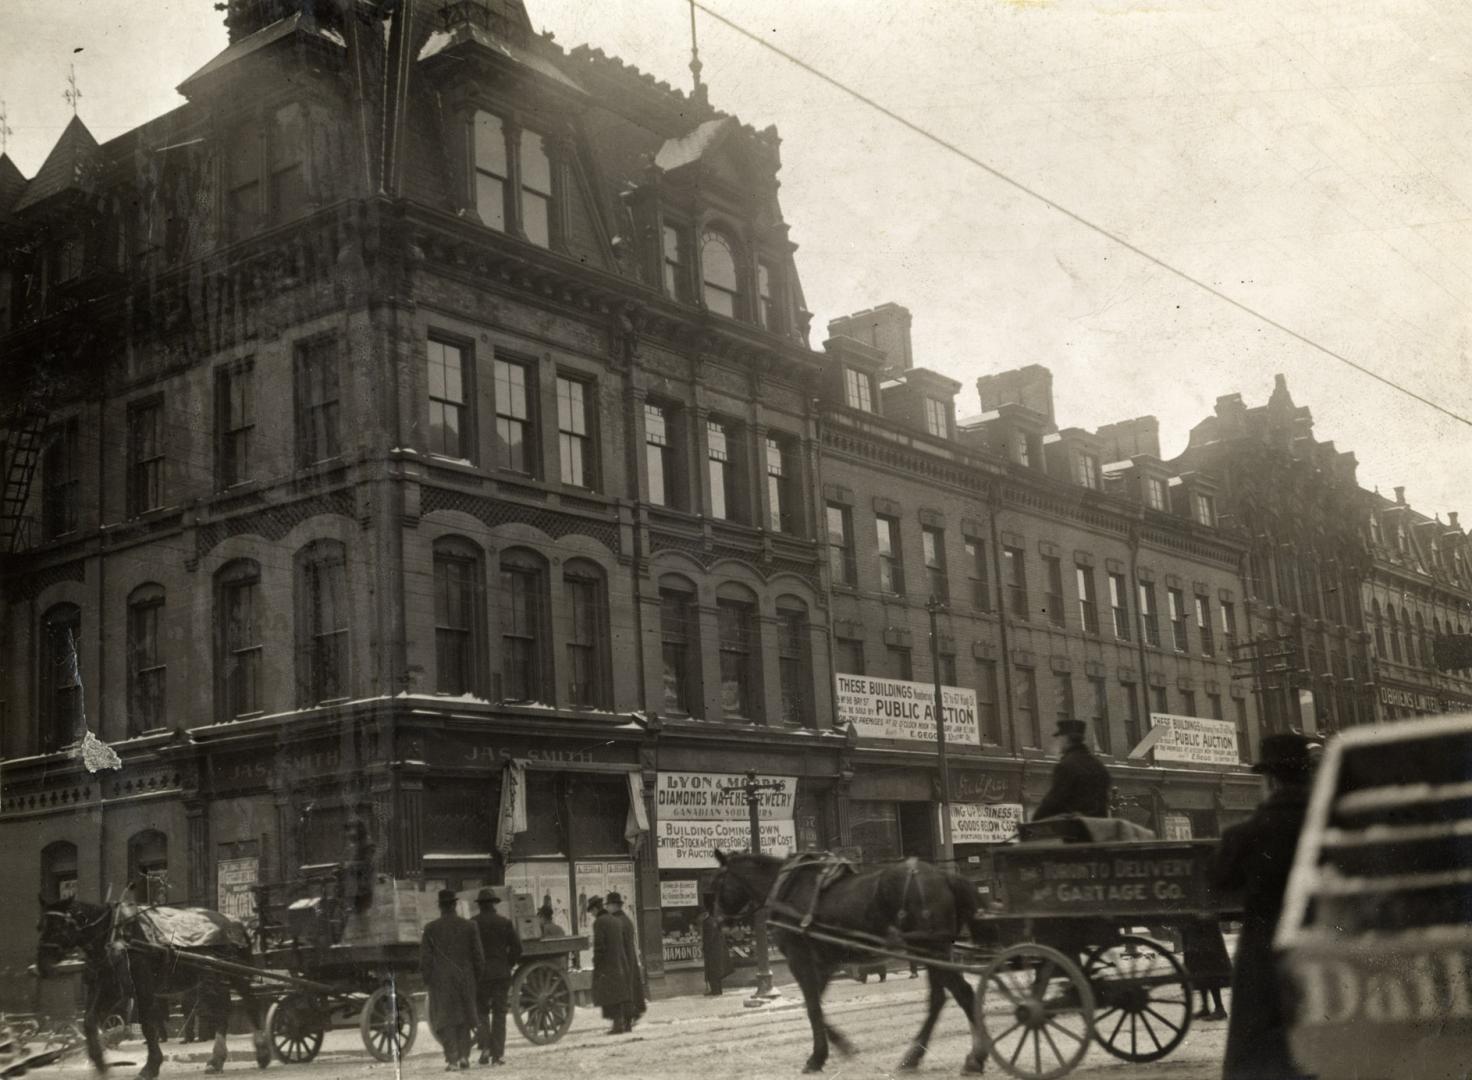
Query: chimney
[(886, 328), (1451, 517), (1030, 386), (1400, 496)]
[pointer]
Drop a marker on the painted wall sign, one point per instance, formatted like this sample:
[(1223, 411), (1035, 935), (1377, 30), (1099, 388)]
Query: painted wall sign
[(897, 709), (984, 823), (1195, 740), (690, 845), (691, 796)]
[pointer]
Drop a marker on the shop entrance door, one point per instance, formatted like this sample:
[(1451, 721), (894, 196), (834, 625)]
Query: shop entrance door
[(917, 829)]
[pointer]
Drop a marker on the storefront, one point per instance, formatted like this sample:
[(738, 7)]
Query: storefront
[(893, 813)]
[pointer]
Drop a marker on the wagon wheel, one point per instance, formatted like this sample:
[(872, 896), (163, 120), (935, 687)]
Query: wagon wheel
[(112, 1030), (1044, 1031), (296, 1024), (541, 1002), (389, 1024), (1144, 998)]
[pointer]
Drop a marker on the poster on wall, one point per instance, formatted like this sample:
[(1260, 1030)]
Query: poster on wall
[(897, 709), (599, 877), (1177, 826), (691, 845), (690, 796), (984, 823), (1193, 739), (545, 882), (234, 878), (684, 893)]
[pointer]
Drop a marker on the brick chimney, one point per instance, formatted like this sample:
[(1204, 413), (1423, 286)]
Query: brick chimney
[(1128, 438), (886, 328), (1451, 516), (1400, 496), (1030, 386)]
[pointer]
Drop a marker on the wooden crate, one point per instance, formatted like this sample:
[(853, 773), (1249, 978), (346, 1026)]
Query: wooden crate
[(395, 914)]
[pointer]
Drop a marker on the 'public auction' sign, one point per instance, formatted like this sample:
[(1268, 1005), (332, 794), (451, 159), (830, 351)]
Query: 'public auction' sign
[(1192, 739), (691, 845), (896, 709), (686, 796), (984, 823)]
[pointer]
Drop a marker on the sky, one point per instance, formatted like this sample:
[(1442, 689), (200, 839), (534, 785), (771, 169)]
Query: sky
[(1309, 159)]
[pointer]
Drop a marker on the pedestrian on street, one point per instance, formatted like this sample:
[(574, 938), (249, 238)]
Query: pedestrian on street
[(1207, 963), (502, 946), (610, 967), (451, 962), (712, 949), (1080, 780), (637, 996), (1255, 858)]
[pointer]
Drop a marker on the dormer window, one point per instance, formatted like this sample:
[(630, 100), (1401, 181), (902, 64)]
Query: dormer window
[(266, 172), (492, 169), (1203, 509), (676, 273), (1086, 469), (718, 270), (1020, 451), (856, 391), (536, 190), (1155, 493), (937, 422), (499, 158)]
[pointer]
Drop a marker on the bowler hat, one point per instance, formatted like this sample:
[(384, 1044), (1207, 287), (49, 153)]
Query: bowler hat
[(1071, 727), (1285, 755), (594, 903), (613, 898), (485, 896), (447, 896)]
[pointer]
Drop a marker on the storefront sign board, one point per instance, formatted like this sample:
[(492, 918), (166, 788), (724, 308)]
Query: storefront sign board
[(1193, 739), (693, 796), (675, 894), (984, 823), (897, 709), (691, 845)]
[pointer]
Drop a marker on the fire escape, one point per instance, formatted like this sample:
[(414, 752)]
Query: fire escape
[(22, 451)]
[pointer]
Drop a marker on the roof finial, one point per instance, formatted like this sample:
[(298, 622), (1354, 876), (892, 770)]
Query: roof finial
[(695, 65), (5, 130), (72, 93)]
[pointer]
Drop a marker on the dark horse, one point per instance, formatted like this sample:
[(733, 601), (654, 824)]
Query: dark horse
[(910, 906), (121, 965)]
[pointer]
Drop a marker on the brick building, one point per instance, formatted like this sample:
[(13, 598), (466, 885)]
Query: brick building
[(421, 402)]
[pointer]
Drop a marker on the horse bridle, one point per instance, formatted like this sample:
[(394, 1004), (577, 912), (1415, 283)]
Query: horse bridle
[(751, 907)]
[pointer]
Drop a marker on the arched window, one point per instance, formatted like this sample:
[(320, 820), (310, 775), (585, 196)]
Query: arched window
[(679, 637), (1379, 630), (58, 871), (718, 270), (740, 651), (586, 608), (794, 661), (321, 622), (524, 654), (238, 639), (146, 670), (59, 679), (459, 617), (148, 866)]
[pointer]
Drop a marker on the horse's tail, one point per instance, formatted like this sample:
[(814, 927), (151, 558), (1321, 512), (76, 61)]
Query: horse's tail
[(964, 895)]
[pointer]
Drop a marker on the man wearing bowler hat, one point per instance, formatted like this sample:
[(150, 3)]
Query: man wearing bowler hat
[(450, 961), (1080, 781), (502, 946), (1254, 859)]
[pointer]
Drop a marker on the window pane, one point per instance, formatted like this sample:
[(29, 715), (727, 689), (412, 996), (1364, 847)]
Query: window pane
[(536, 218), (490, 145), (536, 169), (718, 263), (490, 200)]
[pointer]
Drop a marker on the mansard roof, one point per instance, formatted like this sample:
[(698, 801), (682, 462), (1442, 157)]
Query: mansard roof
[(72, 165), (12, 184)]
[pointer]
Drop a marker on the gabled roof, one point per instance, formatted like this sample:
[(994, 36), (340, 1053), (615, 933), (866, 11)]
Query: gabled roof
[(12, 183), (71, 166), (246, 46)]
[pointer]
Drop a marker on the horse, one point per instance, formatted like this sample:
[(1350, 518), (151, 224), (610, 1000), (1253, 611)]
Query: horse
[(911, 906), (120, 964)]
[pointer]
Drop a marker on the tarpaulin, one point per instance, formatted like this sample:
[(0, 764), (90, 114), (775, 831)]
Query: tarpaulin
[(189, 928)]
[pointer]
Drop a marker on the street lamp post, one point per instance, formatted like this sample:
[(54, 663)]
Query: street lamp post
[(753, 788), (947, 850)]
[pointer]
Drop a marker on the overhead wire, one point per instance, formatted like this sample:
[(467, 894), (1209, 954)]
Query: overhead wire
[(1074, 215)]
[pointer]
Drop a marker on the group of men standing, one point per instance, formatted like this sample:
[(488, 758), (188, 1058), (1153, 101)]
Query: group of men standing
[(618, 980), (467, 966)]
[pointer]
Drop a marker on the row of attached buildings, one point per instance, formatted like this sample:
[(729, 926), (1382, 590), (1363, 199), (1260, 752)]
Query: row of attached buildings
[(422, 404)]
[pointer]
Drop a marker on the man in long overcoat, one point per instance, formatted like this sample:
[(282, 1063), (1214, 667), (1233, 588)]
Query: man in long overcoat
[(713, 949), (611, 983), (451, 962), (1255, 858), (502, 945), (1080, 780), (615, 904)]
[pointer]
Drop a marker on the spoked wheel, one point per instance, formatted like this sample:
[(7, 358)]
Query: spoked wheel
[(541, 1002), (1043, 1033), (296, 1025), (389, 1023), (1143, 997)]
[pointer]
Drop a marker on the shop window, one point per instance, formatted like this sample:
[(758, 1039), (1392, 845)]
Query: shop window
[(1149, 617), (586, 637), (782, 503), (1014, 571), (599, 810), (848, 656), (58, 871), (737, 646), (459, 608), (515, 429), (146, 669), (891, 559), (1027, 707), (794, 661), (679, 630), (322, 623), (661, 455), (989, 715), (61, 479), (145, 456), (449, 376), (857, 390), (901, 665), (1088, 599), (235, 420), (1053, 597), (239, 640), (546, 826), (933, 547), (842, 563), (318, 406), (718, 267), (575, 432), (148, 866), (976, 571), (60, 678), (523, 621)]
